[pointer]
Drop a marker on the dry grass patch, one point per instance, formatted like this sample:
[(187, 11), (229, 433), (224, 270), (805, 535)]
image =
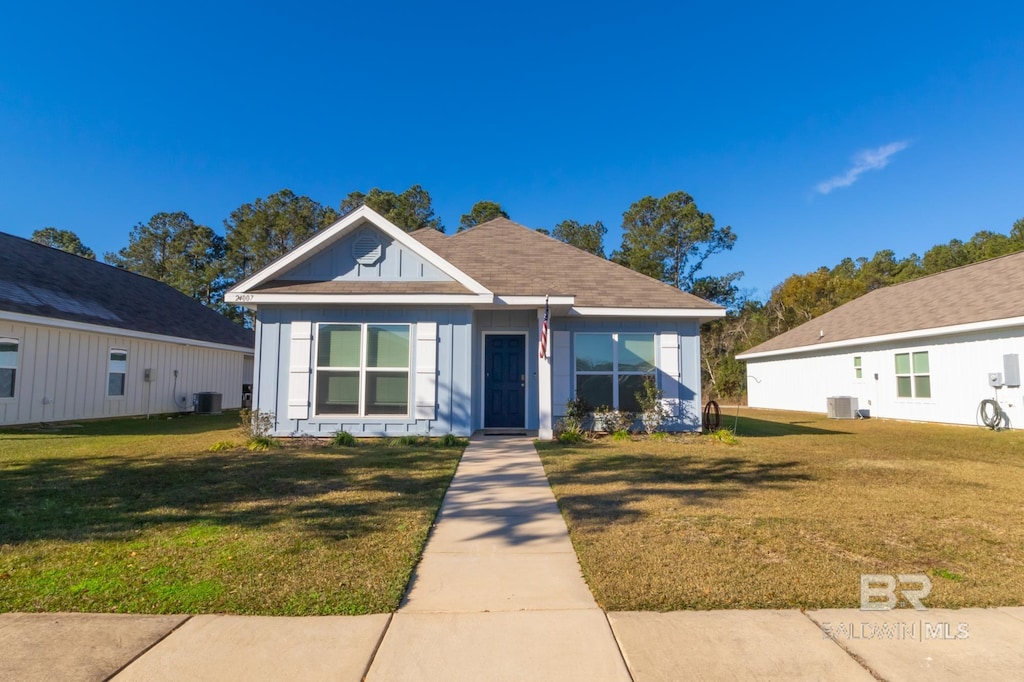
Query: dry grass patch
[(137, 516), (794, 513)]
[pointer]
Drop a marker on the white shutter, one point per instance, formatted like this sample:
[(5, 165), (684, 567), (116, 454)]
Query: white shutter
[(561, 360), (299, 370), (426, 370), (668, 364)]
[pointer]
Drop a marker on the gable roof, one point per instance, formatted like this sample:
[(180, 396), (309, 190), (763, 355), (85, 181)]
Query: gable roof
[(41, 281), (360, 216), (513, 260), (983, 292)]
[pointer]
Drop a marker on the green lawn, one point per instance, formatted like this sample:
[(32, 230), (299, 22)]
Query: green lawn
[(138, 516), (795, 512)]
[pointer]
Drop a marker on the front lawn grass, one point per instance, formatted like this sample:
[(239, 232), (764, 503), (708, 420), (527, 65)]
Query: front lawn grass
[(794, 513), (139, 516)]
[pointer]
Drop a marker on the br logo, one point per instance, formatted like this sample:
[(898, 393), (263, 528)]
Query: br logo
[(878, 591)]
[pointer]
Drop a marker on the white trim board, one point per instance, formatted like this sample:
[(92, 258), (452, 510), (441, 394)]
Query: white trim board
[(360, 216), (887, 338), (703, 313), (248, 300), (116, 331)]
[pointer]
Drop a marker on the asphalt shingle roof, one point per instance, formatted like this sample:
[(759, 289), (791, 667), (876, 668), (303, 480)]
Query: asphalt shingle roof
[(39, 280), (513, 260), (981, 292)]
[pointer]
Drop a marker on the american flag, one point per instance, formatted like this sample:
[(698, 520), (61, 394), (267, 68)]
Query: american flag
[(544, 331)]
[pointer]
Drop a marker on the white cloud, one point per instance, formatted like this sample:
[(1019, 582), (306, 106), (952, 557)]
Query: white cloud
[(863, 161)]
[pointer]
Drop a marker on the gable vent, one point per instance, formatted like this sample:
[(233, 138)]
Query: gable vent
[(367, 249)]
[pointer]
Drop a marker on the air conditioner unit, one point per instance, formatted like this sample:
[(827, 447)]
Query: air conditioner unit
[(842, 407)]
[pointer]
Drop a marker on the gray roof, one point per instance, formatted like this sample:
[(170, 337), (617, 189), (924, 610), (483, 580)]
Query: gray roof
[(982, 292), (513, 260), (39, 280)]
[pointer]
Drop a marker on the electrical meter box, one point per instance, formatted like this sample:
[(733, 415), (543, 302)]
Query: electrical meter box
[(1011, 370)]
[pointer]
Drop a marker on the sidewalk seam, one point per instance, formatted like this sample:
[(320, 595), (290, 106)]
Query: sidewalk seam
[(618, 645), (148, 649), (857, 659), (380, 640)]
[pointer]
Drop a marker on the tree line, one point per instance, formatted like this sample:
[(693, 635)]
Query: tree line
[(667, 238), (800, 298)]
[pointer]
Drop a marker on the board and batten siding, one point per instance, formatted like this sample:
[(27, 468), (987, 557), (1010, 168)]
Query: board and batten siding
[(958, 366), (274, 370), (62, 375), (677, 357)]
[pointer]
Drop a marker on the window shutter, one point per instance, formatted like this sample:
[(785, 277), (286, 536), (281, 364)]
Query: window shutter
[(426, 370), (299, 369), (562, 389), (668, 363)]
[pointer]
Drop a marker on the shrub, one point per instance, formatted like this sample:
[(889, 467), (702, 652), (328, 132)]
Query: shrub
[(222, 445), (653, 412), (576, 412), (263, 443), (726, 436), (613, 421), (569, 437), (660, 435), (450, 440), (256, 423), (343, 439), (404, 441), (621, 434)]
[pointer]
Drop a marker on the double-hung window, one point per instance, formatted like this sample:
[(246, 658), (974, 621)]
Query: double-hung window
[(858, 368), (8, 367), (611, 368), (362, 369), (117, 370), (913, 376)]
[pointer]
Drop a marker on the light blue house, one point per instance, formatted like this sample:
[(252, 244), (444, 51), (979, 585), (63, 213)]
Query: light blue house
[(376, 331)]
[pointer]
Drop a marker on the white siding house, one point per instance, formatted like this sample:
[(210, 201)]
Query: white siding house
[(924, 350), (83, 340)]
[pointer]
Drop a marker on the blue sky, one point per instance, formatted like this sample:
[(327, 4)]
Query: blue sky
[(816, 132)]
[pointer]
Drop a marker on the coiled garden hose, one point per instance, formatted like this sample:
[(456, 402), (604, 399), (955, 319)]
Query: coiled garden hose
[(712, 417), (991, 414)]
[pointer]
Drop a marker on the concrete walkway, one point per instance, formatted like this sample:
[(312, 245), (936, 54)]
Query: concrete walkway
[(498, 595)]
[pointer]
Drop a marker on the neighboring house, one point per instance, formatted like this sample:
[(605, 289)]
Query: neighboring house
[(375, 331), (922, 350), (84, 340)]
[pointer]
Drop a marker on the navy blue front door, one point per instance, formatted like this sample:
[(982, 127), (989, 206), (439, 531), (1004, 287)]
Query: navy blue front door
[(505, 381)]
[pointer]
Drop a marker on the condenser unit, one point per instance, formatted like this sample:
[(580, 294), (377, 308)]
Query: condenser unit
[(842, 407)]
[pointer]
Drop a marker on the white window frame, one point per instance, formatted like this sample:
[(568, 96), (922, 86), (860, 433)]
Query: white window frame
[(858, 368), (615, 373), (913, 375), (362, 369), (16, 367), (124, 384)]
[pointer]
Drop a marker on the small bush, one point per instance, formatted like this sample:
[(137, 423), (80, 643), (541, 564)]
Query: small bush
[(659, 435), (725, 436), (568, 437), (263, 443), (404, 441), (343, 439), (621, 434), (653, 412), (256, 423), (613, 421), (222, 445), (450, 440)]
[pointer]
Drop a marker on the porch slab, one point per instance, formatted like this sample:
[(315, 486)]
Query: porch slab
[(729, 645), (936, 644), (75, 646), (263, 648), (525, 645), (501, 534)]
